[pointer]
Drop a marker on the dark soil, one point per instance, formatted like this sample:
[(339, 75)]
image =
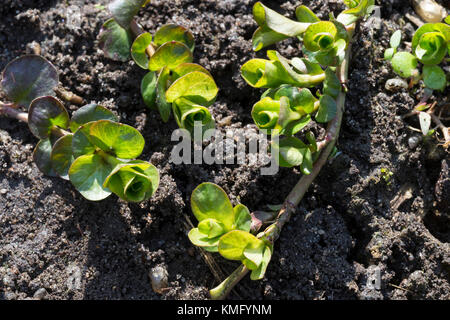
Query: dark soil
[(351, 225)]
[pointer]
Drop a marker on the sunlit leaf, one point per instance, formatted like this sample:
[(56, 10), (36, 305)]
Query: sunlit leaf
[(195, 86), (138, 50), (173, 32), (88, 113), (404, 64), (124, 11), (170, 55)]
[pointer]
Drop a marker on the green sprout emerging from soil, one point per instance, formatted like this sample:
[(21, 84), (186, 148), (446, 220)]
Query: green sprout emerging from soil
[(431, 47), (91, 149), (285, 108), (173, 82)]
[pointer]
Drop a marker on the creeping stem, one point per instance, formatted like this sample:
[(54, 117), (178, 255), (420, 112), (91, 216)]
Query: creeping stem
[(10, 111), (295, 196)]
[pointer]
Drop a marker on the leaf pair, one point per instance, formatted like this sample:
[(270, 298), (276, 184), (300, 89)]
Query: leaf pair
[(174, 83), (225, 229), (262, 73), (94, 157)]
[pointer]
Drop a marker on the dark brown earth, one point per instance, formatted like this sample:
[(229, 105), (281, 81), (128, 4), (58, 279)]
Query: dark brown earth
[(351, 226)]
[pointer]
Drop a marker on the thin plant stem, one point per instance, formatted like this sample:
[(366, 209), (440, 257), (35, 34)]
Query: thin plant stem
[(295, 196)]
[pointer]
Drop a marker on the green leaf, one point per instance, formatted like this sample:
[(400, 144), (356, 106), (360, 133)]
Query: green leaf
[(133, 181), (62, 156), (209, 201), (138, 50), (45, 114), (41, 156), (290, 151), (261, 73), (431, 42), (173, 32), (404, 64), (120, 139), (87, 173), (258, 273), (233, 244), (212, 228), (148, 89), (265, 114), (27, 78), (88, 113), (185, 68), (320, 36), (312, 140), (170, 55), (201, 240), (434, 77), (327, 109), (447, 20), (187, 113), (307, 165), (163, 105), (276, 22), (195, 86), (81, 144), (287, 117), (124, 11), (304, 14), (243, 219), (358, 9), (331, 85), (389, 53), (264, 36), (115, 41)]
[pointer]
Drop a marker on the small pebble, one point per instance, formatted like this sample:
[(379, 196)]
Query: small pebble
[(159, 278), (40, 294), (3, 191), (395, 84), (413, 142)]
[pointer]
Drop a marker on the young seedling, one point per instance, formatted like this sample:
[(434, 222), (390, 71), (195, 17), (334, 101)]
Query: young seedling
[(430, 45), (285, 108), (226, 229), (174, 83), (91, 149)]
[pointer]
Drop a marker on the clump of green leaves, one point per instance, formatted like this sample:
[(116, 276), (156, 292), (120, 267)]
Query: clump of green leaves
[(288, 106), (173, 82), (91, 149), (285, 108), (430, 45), (226, 229)]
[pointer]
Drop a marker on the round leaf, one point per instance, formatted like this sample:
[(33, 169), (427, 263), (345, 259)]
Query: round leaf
[(434, 77), (120, 139), (211, 227), (290, 151), (404, 64), (201, 240), (209, 201), (41, 157), (186, 68), (81, 144), (172, 32), (27, 78), (115, 41), (395, 39), (233, 244), (88, 113), (195, 86), (138, 50), (62, 156), (45, 114), (87, 173), (170, 55)]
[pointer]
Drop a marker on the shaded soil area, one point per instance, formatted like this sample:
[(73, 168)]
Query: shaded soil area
[(357, 234)]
